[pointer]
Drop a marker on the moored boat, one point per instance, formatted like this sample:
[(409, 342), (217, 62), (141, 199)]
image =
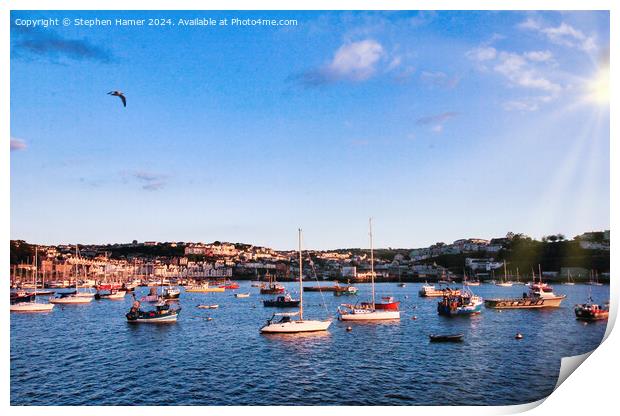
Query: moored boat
[(71, 300), (540, 296), (430, 291), (464, 303), (31, 307), (446, 338), (285, 301), (204, 288), (388, 304), (111, 294), (163, 313), (345, 290), (319, 288), (22, 301), (242, 295), (171, 293), (230, 285), (368, 311), (591, 311), (272, 289), (286, 325)]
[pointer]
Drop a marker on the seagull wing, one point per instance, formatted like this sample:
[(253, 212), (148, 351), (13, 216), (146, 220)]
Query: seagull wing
[(124, 100)]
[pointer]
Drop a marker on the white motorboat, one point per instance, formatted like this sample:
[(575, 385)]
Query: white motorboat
[(286, 325), (368, 311), (242, 295)]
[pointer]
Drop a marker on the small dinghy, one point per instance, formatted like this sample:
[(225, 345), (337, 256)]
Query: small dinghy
[(447, 338), (242, 295), (208, 306)]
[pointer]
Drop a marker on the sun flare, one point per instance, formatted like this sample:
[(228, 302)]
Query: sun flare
[(598, 87)]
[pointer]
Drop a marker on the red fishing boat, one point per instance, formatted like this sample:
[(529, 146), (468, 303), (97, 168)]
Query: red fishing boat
[(230, 285), (388, 304), (591, 311)]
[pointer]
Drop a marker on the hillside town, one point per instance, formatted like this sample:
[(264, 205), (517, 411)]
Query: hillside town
[(478, 258)]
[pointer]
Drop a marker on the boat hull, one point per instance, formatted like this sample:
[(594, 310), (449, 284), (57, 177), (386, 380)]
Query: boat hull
[(72, 300), (206, 290), (320, 288), (271, 291), (31, 307), (459, 311), (293, 327), (376, 315), (446, 338), (154, 320), (588, 314), (281, 304), (524, 303)]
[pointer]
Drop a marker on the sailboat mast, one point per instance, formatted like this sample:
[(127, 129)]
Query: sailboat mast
[(76, 269), (372, 263), (301, 289), (505, 276), (36, 268)]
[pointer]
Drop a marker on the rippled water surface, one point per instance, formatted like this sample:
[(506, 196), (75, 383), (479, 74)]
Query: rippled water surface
[(89, 355)]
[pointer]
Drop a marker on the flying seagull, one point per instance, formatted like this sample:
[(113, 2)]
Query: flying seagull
[(120, 95)]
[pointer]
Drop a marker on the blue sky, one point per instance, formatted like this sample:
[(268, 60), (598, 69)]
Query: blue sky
[(439, 125)]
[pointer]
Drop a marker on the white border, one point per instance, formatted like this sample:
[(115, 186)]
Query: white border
[(589, 391)]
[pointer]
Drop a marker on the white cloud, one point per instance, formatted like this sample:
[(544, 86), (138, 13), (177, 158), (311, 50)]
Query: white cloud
[(357, 60), (563, 34), (18, 144), (481, 54), (526, 104), (353, 61), (394, 63), (539, 56), (519, 72)]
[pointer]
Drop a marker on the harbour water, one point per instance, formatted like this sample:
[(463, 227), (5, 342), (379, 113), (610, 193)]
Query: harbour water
[(89, 355)]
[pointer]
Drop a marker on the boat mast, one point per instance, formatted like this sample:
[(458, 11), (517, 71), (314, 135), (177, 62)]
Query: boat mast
[(301, 289), (372, 263), (36, 268), (505, 277)]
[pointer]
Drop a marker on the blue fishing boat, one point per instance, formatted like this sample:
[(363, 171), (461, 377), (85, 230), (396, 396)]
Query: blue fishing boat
[(463, 302)]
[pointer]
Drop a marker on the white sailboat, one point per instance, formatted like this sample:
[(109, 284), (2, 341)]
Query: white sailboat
[(368, 311), (75, 298), (286, 325), (504, 282), (594, 279), (569, 281), (33, 306)]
